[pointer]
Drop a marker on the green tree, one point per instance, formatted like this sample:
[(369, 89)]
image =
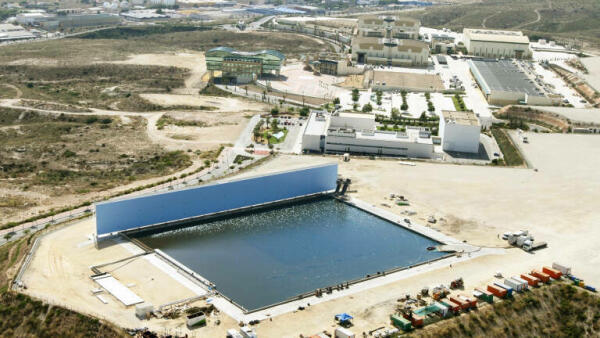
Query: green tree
[(367, 108), (304, 111), (355, 95), (336, 100)]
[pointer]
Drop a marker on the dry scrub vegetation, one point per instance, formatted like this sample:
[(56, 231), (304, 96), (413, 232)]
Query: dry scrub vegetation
[(55, 155), (23, 316), (73, 51), (104, 86), (560, 310)]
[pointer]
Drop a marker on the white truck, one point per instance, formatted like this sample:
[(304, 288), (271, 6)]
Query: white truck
[(531, 245), (566, 270), (514, 284)]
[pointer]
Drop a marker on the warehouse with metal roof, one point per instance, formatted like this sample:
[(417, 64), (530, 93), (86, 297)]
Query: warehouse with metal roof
[(510, 82)]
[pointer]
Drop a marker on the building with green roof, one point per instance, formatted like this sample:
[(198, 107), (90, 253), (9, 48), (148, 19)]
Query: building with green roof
[(242, 67)]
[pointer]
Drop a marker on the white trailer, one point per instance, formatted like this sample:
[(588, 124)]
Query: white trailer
[(531, 245), (522, 281), (232, 333), (247, 332), (514, 284), (566, 270)]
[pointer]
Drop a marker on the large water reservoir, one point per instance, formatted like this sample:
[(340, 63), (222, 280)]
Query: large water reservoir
[(268, 256)]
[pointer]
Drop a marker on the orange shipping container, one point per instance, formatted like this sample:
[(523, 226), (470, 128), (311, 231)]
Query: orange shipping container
[(533, 281), (416, 321), (542, 276), (471, 300), (498, 292), (552, 272), (463, 305)]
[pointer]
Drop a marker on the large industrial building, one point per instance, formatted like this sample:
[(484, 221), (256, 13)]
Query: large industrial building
[(511, 82), (356, 133), (496, 43), (389, 41), (242, 67), (10, 32), (460, 131)]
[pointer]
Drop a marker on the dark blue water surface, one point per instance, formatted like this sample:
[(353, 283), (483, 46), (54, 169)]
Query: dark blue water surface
[(269, 256)]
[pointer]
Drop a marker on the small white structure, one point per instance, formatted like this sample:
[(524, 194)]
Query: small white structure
[(118, 290), (248, 332), (459, 131), (341, 332)]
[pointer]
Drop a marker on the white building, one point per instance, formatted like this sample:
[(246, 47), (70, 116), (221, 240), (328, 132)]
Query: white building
[(10, 32), (168, 3), (460, 131), (357, 133), (390, 41), (496, 44)]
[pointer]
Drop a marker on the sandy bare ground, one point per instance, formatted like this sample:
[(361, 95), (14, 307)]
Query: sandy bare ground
[(558, 204), (221, 128), (223, 104)]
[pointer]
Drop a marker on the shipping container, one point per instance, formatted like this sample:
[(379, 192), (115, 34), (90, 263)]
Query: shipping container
[(508, 288), (531, 280), (513, 284), (552, 272), (542, 276), (565, 270), (496, 291), (456, 300), (455, 308), (401, 323), (590, 288), (484, 295), (443, 310), (471, 300), (523, 282)]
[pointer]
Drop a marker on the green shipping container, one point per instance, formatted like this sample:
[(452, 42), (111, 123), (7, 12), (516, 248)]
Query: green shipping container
[(401, 323)]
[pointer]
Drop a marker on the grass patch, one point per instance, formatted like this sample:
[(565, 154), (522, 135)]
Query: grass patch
[(512, 156), (268, 135), (136, 32), (212, 90), (166, 120)]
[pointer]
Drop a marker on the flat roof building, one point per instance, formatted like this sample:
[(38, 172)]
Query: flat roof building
[(511, 82), (460, 131), (357, 133), (242, 67), (388, 40), (496, 43), (10, 32)]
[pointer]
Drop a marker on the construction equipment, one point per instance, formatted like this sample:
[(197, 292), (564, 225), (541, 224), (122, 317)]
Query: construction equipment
[(457, 283)]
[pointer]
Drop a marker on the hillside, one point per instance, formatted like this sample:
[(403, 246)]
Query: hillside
[(552, 19), (559, 310)]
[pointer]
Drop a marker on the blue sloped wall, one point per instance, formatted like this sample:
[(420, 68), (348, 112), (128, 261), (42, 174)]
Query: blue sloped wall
[(119, 215)]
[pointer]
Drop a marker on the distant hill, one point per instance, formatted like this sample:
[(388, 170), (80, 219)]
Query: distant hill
[(551, 19)]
